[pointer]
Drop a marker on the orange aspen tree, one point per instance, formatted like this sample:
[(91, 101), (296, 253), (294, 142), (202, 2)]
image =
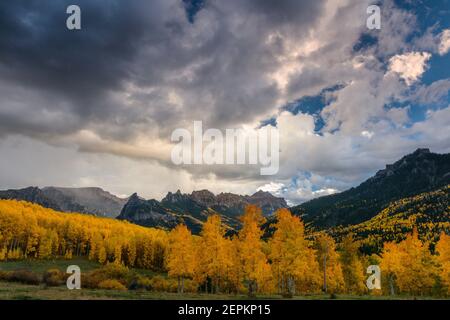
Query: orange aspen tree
[(352, 267), (215, 257), (411, 262), (329, 264), (293, 262), (253, 259), (391, 265), (30, 231), (181, 255), (443, 250)]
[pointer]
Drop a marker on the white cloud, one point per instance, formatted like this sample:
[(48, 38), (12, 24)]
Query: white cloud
[(272, 187), (367, 134), (409, 66), (324, 192), (444, 46)]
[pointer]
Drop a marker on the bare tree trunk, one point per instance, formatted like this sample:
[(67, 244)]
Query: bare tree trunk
[(391, 286), (325, 269), (182, 285)]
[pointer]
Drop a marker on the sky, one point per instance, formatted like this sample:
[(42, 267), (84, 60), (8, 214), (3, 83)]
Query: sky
[(97, 106)]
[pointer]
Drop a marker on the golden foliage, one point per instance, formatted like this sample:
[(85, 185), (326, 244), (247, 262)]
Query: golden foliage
[(288, 262), (31, 231), (409, 266)]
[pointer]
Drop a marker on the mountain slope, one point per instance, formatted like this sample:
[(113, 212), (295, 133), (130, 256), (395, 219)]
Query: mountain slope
[(91, 200), (30, 194), (428, 212), (85, 200), (415, 173)]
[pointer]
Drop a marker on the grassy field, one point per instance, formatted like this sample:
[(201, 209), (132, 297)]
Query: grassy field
[(43, 265), (14, 291)]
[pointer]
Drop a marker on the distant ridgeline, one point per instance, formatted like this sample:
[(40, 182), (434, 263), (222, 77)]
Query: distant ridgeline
[(193, 209)]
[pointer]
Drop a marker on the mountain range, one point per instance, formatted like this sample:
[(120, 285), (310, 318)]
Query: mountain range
[(415, 174), (193, 209), (418, 172), (85, 200)]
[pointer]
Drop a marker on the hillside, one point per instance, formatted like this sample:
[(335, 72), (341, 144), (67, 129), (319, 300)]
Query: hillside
[(94, 201), (428, 212), (421, 171), (31, 231)]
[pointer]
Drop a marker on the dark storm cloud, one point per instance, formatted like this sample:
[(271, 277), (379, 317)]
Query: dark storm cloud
[(146, 44), (38, 51)]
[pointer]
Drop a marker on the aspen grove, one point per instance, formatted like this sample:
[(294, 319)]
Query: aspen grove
[(288, 262)]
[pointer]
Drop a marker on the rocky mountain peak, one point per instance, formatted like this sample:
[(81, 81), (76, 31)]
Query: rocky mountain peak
[(175, 197), (204, 197)]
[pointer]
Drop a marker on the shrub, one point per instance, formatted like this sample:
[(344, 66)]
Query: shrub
[(162, 284), (24, 276), (111, 284), (114, 271), (190, 286), (91, 280), (4, 275), (141, 283), (53, 277)]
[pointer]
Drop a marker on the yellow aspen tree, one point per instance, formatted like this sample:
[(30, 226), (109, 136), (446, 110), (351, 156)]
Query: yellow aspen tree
[(419, 267), (117, 246), (101, 253), (45, 244), (94, 246), (352, 267), (27, 229), (181, 255), (391, 266), (443, 251), (415, 269), (3, 253), (329, 264), (131, 253), (199, 276), (234, 273), (253, 259), (293, 261), (215, 259)]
